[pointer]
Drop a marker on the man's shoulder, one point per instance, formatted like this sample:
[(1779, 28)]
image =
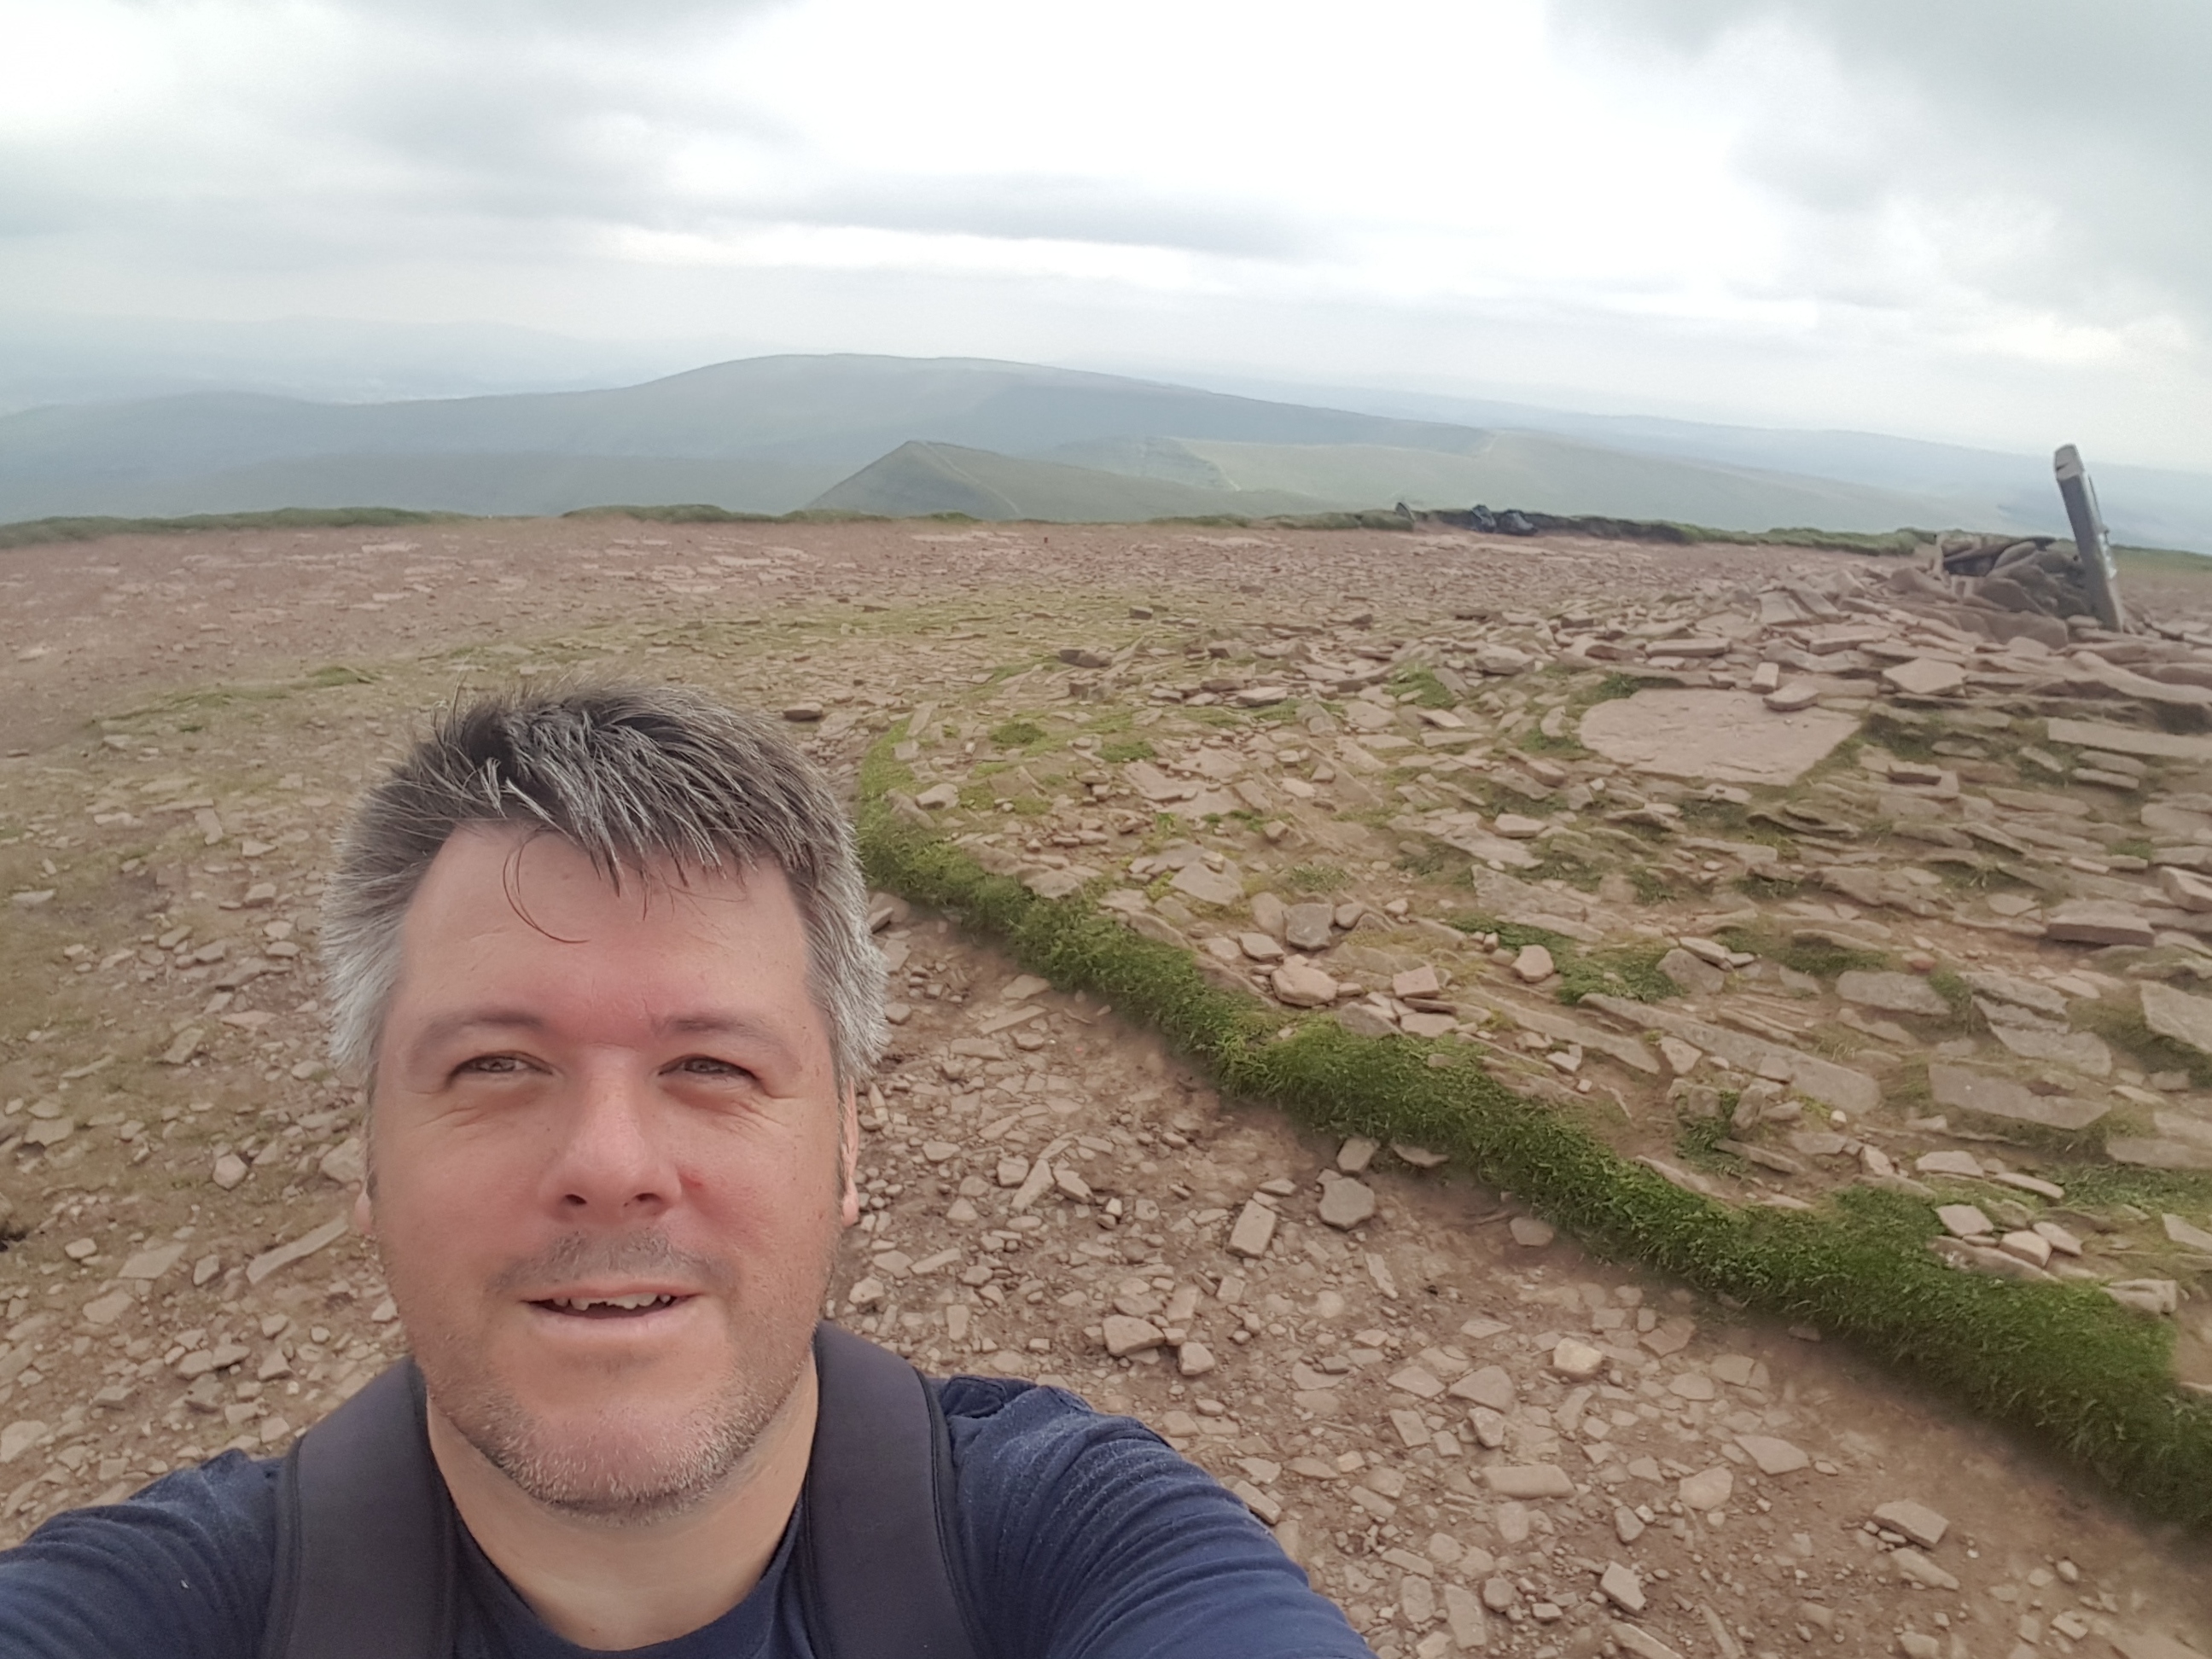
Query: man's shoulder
[(182, 1566)]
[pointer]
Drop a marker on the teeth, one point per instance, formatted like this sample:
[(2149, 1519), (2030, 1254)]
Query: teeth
[(630, 1304)]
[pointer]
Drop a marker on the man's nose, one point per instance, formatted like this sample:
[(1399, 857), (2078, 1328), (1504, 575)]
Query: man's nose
[(613, 1160)]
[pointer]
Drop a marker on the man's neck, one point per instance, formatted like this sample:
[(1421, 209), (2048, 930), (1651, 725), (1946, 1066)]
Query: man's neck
[(628, 1586)]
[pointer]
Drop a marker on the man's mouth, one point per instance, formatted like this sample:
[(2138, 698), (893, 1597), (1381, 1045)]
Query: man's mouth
[(610, 1307)]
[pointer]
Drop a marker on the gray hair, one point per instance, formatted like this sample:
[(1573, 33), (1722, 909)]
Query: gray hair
[(632, 776)]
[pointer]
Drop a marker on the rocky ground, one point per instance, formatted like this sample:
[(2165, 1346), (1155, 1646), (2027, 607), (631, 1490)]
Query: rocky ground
[(1783, 870)]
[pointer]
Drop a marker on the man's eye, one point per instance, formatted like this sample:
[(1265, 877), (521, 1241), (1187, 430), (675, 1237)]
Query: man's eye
[(708, 1065), (495, 1064)]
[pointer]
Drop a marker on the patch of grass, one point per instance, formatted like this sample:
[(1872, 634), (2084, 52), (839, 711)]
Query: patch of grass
[(1429, 691), (1946, 984), (1126, 750), (1017, 734), (1512, 934), (31, 532), (1621, 970), (2101, 1186), (1697, 1142), (1316, 878), (2060, 1362), (1651, 886)]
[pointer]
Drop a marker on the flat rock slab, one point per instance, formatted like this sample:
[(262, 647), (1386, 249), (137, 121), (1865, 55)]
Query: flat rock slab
[(2131, 740), (1895, 993), (2176, 1014), (1959, 1089), (1823, 1080), (1731, 736)]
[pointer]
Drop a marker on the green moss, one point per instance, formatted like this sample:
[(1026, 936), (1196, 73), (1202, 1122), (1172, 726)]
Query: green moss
[(1017, 734), (1625, 970), (1429, 691), (1128, 749), (1316, 878), (2060, 1362)]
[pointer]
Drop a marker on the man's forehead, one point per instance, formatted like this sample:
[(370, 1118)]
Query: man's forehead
[(512, 858)]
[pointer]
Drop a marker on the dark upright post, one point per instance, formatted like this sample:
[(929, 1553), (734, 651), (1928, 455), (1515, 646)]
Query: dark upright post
[(2099, 575)]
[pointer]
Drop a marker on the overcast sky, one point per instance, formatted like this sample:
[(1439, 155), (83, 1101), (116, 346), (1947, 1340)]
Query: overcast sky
[(1987, 221)]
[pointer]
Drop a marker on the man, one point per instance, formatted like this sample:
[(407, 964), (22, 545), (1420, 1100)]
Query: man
[(602, 959)]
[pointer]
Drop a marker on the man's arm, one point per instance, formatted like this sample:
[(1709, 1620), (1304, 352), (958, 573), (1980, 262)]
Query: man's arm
[(181, 1570), (1087, 1538)]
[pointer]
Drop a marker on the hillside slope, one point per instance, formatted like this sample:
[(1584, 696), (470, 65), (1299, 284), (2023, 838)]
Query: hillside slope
[(917, 479)]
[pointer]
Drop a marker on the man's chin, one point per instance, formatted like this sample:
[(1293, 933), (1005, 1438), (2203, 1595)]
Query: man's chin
[(628, 1462)]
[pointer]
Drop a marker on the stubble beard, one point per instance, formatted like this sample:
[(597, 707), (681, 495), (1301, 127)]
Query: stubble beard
[(612, 1465)]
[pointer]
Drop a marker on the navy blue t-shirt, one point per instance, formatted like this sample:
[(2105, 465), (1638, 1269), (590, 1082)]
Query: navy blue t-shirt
[(1082, 1537)]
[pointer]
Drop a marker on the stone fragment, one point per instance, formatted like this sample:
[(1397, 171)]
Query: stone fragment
[(346, 1162), (1254, 1231), (1300, 985), (1465, 1618), (1958, 1088), (2188, 1235), (1489, 1386), (1125, 1335), (1420, 982), (1576, 1359), (19, 1437), (2151, 1296), (1514, 827), (1209, 886), (1915, 1568), (2179, 1015), (1692, 973), (151, 1262), (1730, 737), (1894, 993), (1260, 947), (1345, 1203), (1532, 965), (1963, 1220), (1531, 1232), (1793, 698), (1635, 1639), (284, 1256), (1620, 1586), (1923, 1525), (2185, 888), (1416, 1381), (1195, 1360), (106, 1310), (2098, 921), (1356, 1154), (1528, 1480), (1773, 1455), (1925, 676), (1707, 1490), (1307, 926)]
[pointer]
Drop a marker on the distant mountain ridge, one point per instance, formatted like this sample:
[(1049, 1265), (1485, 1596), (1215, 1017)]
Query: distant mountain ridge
[(903, 435)]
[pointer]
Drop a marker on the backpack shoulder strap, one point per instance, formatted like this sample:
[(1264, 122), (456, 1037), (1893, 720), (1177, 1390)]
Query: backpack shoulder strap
[(876, 1541), (364, 1535)]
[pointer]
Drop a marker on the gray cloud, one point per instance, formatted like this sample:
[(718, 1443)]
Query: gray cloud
[(535, 124), (2077, 140)]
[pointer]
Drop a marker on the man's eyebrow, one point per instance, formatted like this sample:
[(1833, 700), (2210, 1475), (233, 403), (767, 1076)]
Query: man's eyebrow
[(748, 1028), (745, 1027)]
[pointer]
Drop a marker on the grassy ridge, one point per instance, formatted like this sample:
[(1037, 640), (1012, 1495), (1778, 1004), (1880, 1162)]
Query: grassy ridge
[(2062, 1362), (33, 533)]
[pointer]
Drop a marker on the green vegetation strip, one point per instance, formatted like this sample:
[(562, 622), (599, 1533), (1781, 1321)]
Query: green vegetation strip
[(2062, 1362)]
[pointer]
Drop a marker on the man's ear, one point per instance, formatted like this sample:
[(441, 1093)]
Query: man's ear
[(848, 1157)]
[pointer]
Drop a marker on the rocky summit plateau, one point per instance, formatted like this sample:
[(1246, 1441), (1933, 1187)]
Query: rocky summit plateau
[(1786, 873)]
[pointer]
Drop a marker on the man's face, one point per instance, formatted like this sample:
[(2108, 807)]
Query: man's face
[(607, 1164)]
